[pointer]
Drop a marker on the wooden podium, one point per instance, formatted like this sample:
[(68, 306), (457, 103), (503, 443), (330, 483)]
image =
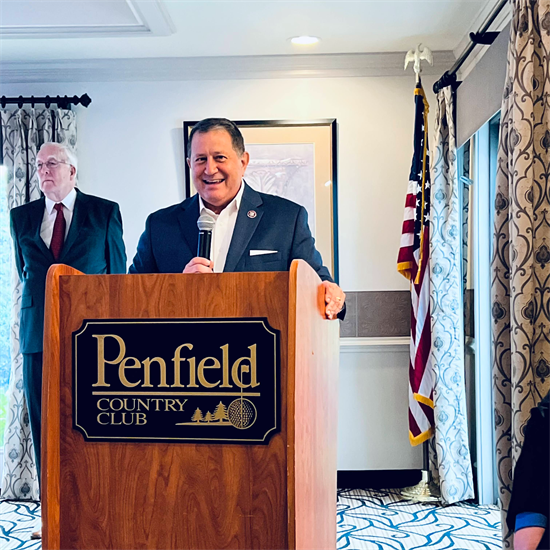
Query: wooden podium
[(126, 495)]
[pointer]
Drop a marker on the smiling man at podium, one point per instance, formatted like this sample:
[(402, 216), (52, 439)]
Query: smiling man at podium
[(251, 231)]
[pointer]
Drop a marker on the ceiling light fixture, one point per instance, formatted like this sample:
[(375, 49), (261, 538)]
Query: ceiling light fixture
[(304, 40)]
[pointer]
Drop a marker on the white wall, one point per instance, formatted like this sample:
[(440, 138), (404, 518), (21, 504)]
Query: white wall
[(373, 407), (130, 143)]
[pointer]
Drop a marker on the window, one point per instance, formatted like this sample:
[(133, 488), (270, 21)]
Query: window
[(5, 301), (477, 168)]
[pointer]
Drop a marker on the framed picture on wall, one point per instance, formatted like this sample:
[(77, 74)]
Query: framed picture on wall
[(296, 160)]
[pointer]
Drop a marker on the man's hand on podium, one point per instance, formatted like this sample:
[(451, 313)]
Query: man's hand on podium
[(334, 295), (334, 299), (199, 265)]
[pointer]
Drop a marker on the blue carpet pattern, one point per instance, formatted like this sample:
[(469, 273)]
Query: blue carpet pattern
[(18, 519), (382, 520), (367, 520)]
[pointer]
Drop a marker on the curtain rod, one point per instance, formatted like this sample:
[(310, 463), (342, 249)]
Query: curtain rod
[(481, 37), (62, 102)]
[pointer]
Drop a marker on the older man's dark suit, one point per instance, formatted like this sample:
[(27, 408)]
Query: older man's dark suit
[(93, 245), (264, 222)]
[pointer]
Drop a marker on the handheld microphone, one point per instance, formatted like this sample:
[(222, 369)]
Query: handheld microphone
[(205, 224)]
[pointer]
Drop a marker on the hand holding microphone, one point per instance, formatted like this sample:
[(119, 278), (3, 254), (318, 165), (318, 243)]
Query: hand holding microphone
[(202, 262), (199, 265)]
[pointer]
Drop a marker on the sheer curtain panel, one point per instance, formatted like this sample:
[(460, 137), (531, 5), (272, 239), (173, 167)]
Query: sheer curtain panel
[(452, 452)]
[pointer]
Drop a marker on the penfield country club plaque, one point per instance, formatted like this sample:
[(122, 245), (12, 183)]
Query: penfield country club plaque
[(176, 380)]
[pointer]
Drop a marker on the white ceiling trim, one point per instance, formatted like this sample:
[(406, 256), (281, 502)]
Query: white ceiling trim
[(219, 68), (152, 19), (154, 15), (75, 31)]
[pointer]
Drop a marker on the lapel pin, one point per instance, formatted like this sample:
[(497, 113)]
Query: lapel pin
[(251, 213)]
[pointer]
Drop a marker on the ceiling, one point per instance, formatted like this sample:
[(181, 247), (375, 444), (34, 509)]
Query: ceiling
[(43, 30)]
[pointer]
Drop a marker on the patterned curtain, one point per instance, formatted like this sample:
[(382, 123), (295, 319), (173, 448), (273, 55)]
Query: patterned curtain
[(521, 257), (23, 131), (454, 468)]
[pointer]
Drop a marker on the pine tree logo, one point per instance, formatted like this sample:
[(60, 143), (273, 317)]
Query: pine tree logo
[(220, 413), (197, 416), (218, 418)]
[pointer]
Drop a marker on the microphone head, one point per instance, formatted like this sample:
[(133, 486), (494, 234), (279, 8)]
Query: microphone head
[(206, 222)]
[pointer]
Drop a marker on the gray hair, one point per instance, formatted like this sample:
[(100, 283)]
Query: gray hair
[(70, 156)]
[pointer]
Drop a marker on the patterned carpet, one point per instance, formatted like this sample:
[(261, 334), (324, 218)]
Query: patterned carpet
[(367, 520), (18, 519), (381, 520)]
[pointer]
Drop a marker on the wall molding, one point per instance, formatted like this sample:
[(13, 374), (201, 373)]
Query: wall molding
[(374, 345), (218, 68)]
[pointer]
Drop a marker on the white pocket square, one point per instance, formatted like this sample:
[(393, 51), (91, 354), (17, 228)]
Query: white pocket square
[(262, 252)]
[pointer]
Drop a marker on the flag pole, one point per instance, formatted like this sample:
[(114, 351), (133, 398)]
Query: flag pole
[(426, 490), (412, 263)]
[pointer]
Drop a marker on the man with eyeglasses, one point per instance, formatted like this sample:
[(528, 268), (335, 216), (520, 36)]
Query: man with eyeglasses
[(68, 227)]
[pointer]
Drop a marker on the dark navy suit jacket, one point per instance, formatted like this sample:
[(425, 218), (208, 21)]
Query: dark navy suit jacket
[(94, 245), (530, 500), (170, 238)]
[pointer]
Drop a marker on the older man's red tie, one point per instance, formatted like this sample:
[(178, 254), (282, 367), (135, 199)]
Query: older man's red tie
[(58, 235)]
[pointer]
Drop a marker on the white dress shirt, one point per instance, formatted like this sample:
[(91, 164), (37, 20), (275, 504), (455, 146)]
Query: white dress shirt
[(46, 229), (223, 230)]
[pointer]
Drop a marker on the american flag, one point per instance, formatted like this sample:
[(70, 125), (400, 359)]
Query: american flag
[(412, 263)]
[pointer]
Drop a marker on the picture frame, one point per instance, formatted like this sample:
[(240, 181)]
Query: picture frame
[(298, 161)]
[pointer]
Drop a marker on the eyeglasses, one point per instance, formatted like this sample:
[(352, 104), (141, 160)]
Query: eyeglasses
[(50, 164)]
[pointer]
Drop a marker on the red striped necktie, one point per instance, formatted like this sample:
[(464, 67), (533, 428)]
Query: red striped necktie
[(58, 235)]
